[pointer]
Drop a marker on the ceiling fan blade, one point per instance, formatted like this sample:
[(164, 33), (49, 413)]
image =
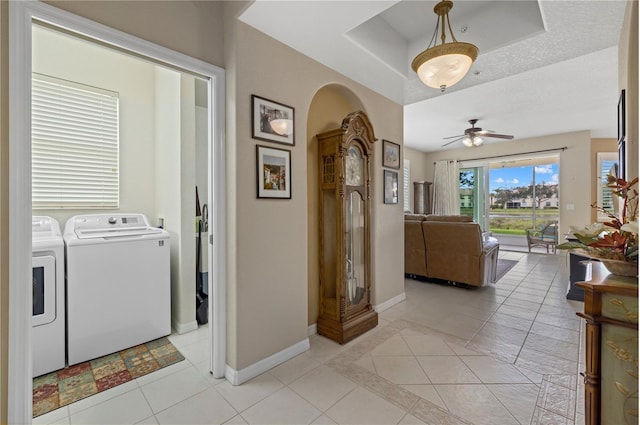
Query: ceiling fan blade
[(453, 141), (498, 136), (453, 137)]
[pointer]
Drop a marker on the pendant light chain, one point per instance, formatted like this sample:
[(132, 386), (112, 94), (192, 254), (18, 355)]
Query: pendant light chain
[(443, 65), (453, 37)]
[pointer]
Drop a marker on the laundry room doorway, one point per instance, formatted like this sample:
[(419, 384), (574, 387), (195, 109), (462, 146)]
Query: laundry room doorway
[(169, 109)]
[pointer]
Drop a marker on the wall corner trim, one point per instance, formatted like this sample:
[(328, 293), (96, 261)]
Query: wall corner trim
[(312, 329), (237, 377), (182, 328), (390, 303)]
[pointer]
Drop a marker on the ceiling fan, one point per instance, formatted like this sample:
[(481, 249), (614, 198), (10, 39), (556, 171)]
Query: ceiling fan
[(473, 137)]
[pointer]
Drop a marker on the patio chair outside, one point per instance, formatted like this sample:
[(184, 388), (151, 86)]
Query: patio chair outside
[(545, 237)]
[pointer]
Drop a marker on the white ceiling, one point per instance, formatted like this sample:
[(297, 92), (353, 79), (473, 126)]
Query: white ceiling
[(545, 67)]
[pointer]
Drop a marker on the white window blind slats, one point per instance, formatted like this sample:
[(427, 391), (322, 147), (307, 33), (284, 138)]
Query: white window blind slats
[(78, 153), (607, 195), (406, 171), (73, 132), (74, 146)]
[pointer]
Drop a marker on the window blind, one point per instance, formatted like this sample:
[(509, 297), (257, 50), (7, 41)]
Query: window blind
[(406, 174), (74, 145), (607, 163)]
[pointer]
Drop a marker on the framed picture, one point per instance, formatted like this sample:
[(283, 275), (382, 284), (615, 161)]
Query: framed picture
[(621, 116), (622, 158), (273, 169), (272, 121), (390, 187), (622, 137), (390, 154)]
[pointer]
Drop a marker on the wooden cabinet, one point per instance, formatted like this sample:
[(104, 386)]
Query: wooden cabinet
[(611, 337), (345, 157), (422, 197)]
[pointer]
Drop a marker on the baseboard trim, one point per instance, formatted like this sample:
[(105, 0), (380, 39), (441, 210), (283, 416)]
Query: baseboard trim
[(312, 329), (390, 303), (237, 377), (182, 328)]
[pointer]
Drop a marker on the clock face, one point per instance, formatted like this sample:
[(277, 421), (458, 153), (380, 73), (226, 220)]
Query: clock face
[(354, 167)]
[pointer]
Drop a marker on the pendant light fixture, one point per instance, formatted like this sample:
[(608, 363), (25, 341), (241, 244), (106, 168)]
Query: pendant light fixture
[(443, 65)]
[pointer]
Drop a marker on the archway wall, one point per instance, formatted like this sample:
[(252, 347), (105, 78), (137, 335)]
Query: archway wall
[(329, 106), (272, 281)]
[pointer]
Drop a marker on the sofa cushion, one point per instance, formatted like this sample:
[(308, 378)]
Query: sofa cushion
[(450, 218), (454, 251), (418, 217), (488, 246), (415, 259)]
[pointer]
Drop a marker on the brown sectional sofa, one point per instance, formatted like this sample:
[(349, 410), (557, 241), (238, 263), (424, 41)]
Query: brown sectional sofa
[(449, 248)]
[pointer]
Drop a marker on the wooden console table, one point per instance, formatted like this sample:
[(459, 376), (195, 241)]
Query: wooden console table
[(611, 337)]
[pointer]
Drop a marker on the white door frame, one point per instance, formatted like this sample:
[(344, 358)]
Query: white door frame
[(21, 16)]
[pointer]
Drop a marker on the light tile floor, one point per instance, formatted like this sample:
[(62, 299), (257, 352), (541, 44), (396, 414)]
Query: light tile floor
[(503, 354)]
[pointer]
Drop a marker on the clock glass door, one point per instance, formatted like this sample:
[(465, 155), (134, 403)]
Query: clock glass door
[(354, 249), (355, 227)]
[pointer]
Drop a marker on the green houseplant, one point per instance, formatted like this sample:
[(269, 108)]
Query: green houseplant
[(614, 242)]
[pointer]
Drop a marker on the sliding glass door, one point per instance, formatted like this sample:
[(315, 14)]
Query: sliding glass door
[(473, 194), (508, 197), (524, 195)]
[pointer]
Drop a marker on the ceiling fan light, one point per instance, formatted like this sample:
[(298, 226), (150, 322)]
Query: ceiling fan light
[(477, 141), (467, 141)]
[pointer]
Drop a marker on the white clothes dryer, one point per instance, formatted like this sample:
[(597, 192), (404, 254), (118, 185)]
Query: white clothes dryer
[(48, 316), (118, 284)]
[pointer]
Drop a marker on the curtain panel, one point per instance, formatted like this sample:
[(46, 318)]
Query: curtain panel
[(446, 188)]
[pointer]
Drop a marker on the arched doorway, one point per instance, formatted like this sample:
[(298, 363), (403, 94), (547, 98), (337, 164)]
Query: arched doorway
[(329, 106)]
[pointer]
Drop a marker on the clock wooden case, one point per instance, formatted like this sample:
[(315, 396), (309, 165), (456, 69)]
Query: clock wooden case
[(345, 156)]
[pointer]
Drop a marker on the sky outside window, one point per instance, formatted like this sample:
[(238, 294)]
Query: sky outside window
[(512, 177)]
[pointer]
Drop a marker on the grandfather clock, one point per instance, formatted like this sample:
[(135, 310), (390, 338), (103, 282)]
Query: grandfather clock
[(345, 156)]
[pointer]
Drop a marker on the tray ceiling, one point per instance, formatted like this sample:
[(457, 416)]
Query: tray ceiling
[(545, 67)]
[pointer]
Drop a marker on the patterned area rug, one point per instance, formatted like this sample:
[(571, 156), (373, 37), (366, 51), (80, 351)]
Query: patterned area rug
[(74, 383)]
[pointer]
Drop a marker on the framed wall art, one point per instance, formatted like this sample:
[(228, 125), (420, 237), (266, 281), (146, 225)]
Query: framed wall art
[(273, 169), (622, 137), (390, 154), (390, 187), (621, 116), (272, 121)]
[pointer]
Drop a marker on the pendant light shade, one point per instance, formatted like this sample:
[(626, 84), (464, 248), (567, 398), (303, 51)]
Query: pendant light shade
[(443, 65)]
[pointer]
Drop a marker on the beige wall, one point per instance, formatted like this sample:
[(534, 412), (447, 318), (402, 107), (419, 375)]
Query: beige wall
[(575, 169), (628, 80), (190, 27), (271, 280), (4, 208), (417, 168)]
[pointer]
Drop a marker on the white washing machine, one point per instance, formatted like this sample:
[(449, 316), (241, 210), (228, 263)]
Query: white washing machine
[(118, 284), (48, 317)]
